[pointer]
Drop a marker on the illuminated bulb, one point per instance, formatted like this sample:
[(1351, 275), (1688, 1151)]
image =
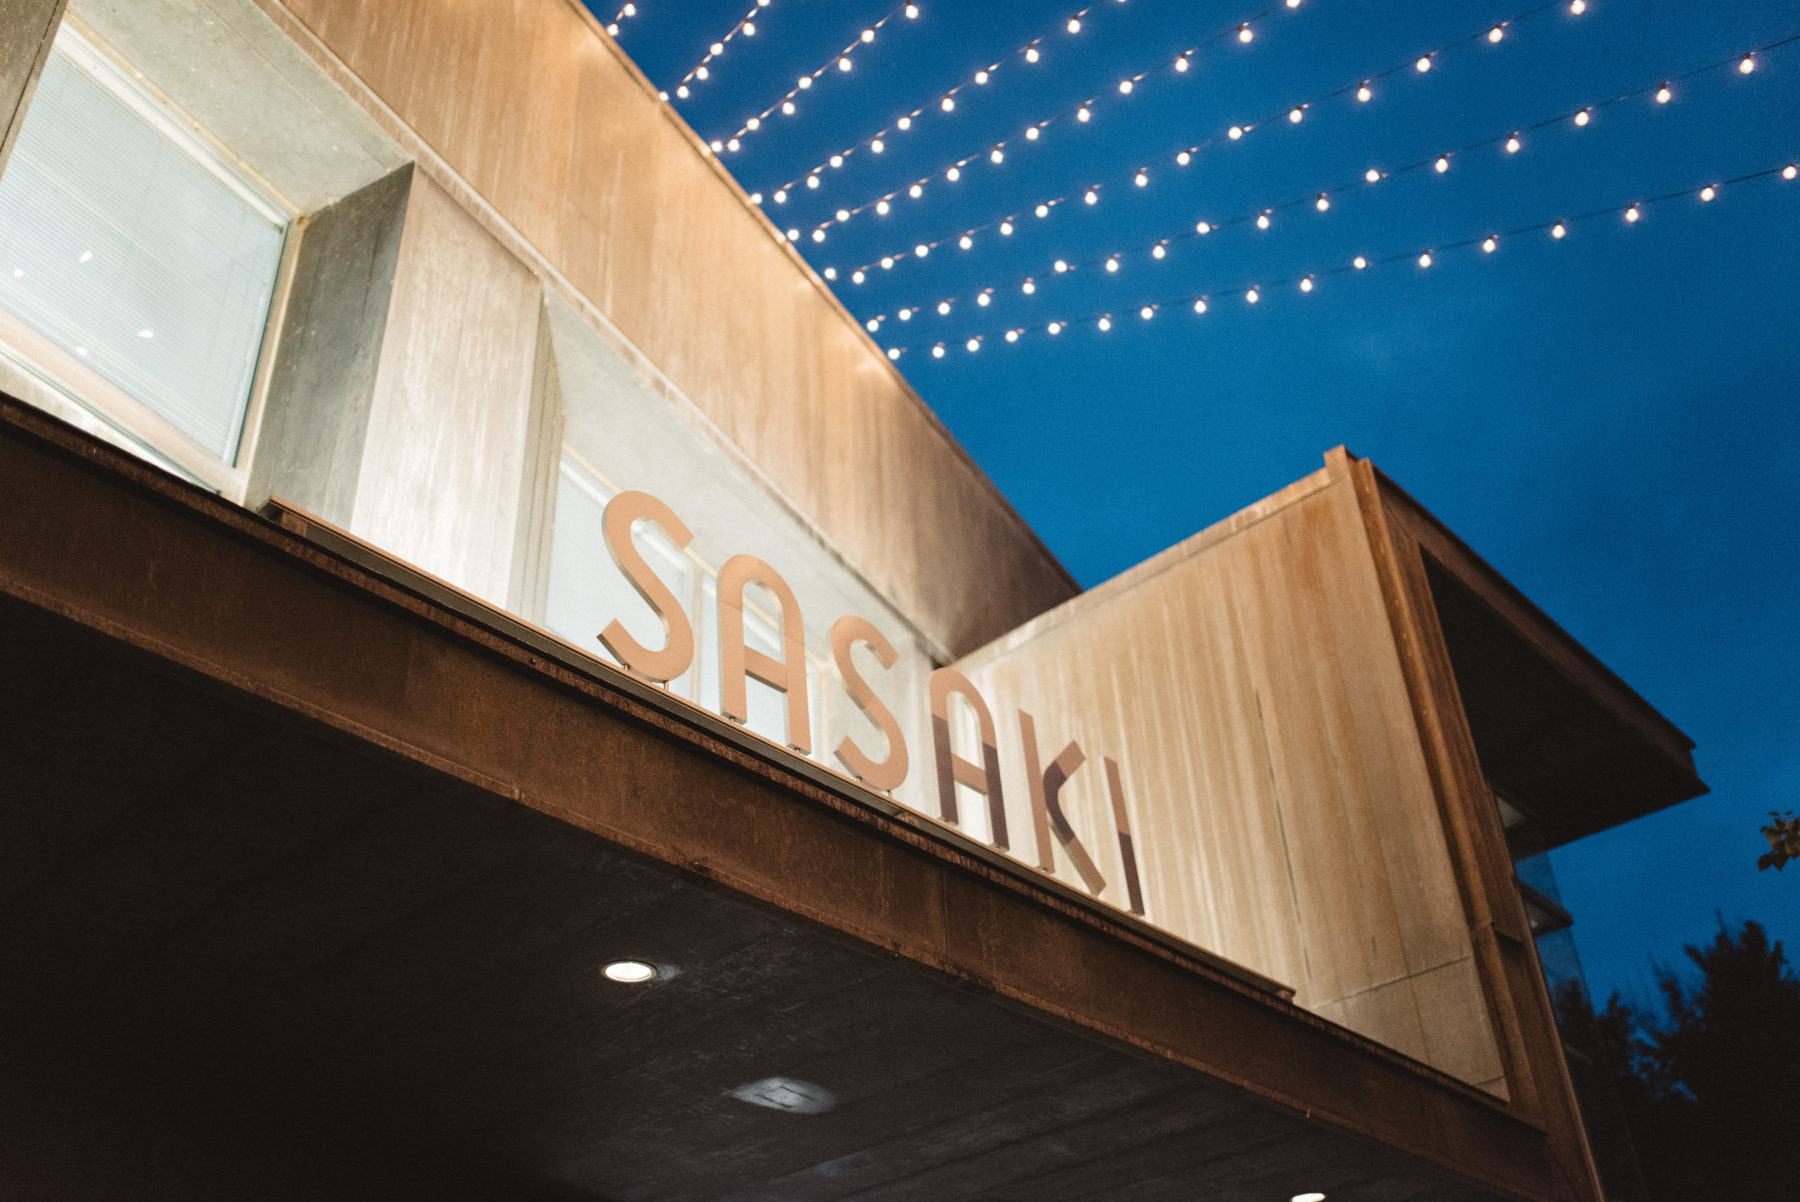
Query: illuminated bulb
[(1074, 24), (718, 48), (1031, 134), (868, 35), (732, 146), (1158, 251), (1105, 324), (787, 108), (630, 10), (1199, 306), (996, 156), (1262, 221), (843, 214), (1746, 65), (1489, 245), (836, 160), (1092, 197), (1184, 158), (937, 352), (1663, 95), (1314, 1196), (781, 197), (1112, 265), (965, 242), (1372, 175), (948, 104), (756, 198), (1790, 171), (804, 82), (912, 12), (1558, 230), (877, 146), (1443, 164), (1124, 87), (1424, 64), (954, 174), (1425, 259), (1296, 116), (682, 91), (1181, 64), (1028, 287), (1235, 132), (663, 96), (921, 250), (974, 344), (1513, 144), (883, 207), (1205, 227), (844, 63), (1578, 6), (904, 315), (1359, 262), (700, 72), (818, 235), (857, 277), (1293, 3), (893, 352), (1323, 203), (872, 326), (1006, 228), (1146, 312), (793, 235), (1031, 54), (1253, 296), (887, 263), (717, 146), (1042, 210), (1708, 192), (984, 300), (754, 124), (1632, 213), (629, 972), (916, 191), (1141, 179), (904, 124), (1364, 94), (1054, 327), (613, 29), (1244, 34), (749, 29), (1012, 335), (1062, 265), (831, 273), (1306, 285), (1082, 113), (981, 77), (1496, 33), (812, 181), (1583, 117)]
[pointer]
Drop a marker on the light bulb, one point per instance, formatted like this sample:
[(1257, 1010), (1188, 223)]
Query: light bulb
[(921, 250), (804, 82), (1365, 94), (1663, 95), (1746, 64), (843, 214), (1158, 251), (1632, 213), (1062, 265), (630, 10), (1031, 54), (1054, 327), (996, 156), (1489, 245), (1425, 259), (1296, 116), (1141, 179), (1031, 133), (1244, 34), (1372, 175), (912, 12), (1006, 228), (1578, 6), (954, 174), (877, 146), (682, 91), (1262, 221), (893, 352), (717, 146), (1790, 171), (937, 352), (857, 277), (1306, 285), (812, 181), (781, 197), (836, 160), (1184, 158), (1199, 306), (1112, 265), (1443, 164), (981, 77), (756, 198), (818, 235), (1323, 203), (1235, 132), (1558, 230), (1082, 113), (1181, 64), (831, 273), (1028, 287), (1496, 33), (793, 235), (787, 108), (1074, 24), (984, 300), (916, 191), (1513, 144), (1124, 87), (873, 325), (882, 207), (965, 242), (700, 73), (1253, 296), (868, 35), (749, 29), (887, 262), (844, 63), (948, 104), (718, 48), (904, 315), (1583, 117), (1359, 262), (1205, 227), (1042, 210), (904, 124), (754, 124), (1092, 197), (1708, 192), (1105, 324), (1424, 64), (1012, 335), (943, 308), (1146, 312), (974, 344)]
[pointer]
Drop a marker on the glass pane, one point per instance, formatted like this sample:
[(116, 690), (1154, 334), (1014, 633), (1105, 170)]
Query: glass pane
[(121, 245)]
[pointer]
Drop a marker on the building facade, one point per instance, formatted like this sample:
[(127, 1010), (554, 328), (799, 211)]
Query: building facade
[(455, 548)]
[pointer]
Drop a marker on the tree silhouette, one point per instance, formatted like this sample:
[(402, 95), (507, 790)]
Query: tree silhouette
[(1711, 1094)]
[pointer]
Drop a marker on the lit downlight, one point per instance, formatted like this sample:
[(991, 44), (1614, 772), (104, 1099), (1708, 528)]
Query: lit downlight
[(630, 972)]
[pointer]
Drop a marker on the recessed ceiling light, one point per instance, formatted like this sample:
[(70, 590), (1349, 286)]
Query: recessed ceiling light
[(630, 972), (1307, 1198)]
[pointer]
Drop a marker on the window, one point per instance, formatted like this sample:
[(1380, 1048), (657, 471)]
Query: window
[(137, 269)]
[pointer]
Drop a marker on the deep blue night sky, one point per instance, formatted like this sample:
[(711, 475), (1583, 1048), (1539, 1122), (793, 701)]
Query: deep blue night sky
[(1611, 419)]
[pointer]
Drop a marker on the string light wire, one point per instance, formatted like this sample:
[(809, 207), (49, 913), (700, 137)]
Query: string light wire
[(1557, 228)]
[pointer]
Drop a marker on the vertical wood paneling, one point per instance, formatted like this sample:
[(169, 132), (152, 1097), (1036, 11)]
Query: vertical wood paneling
[(446, 445), (1249, 686), (524, 99)]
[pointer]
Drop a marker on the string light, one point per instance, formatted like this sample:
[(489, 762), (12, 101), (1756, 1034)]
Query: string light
[(1487, 243), (746, 25), (624, 14), (841, 60), (1509, 140)]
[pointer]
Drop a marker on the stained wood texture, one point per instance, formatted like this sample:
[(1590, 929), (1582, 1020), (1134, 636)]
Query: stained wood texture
[(535, 108), (1248, 685), (446, 443)]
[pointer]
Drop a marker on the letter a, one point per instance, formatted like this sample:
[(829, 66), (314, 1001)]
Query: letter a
[(953, 769), (736, 661)]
